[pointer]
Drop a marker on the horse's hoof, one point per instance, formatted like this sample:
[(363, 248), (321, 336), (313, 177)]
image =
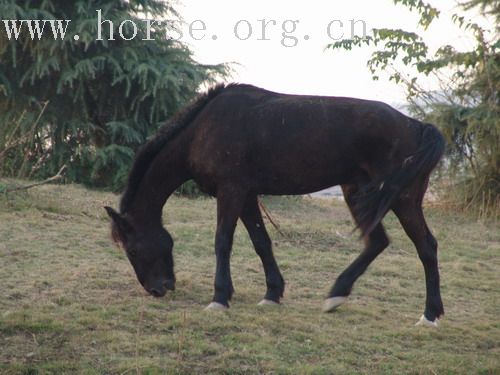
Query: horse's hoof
[(216, 306), (426, 322), (332, 303), (268, 302)]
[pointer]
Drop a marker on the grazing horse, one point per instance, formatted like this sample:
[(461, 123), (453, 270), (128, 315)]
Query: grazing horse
[(238, 141)]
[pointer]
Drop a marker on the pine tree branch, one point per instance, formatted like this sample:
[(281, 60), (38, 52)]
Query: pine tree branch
[(57, 177), (264, 209)]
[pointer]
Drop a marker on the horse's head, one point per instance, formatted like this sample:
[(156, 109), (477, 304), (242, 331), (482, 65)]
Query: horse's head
[(148, 249)]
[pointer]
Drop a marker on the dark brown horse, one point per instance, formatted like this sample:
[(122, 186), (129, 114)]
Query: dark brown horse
[(239, 141)]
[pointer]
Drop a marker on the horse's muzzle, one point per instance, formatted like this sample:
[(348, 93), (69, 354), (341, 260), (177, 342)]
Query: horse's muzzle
[(170, 284), (160, 289)]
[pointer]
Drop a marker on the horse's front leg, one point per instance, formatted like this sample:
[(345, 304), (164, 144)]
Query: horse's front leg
[(230, 201)]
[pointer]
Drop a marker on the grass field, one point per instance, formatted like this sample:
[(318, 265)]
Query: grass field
[(70, 303)]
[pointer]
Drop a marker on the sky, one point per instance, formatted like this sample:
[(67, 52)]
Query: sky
[(305, 67)]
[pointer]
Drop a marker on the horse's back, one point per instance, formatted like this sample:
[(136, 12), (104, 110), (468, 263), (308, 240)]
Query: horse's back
[(297, 144)]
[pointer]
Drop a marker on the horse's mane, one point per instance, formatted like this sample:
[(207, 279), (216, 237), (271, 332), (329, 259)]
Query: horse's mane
[(153, 146)]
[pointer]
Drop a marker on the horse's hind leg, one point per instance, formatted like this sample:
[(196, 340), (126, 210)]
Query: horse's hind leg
[(375, 243), (408, 209), (252, 219)]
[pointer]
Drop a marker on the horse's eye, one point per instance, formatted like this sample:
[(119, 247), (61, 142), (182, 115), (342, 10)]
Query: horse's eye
[(132, 252)]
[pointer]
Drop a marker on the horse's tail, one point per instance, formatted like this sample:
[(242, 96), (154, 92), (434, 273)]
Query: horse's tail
[(374, 200)]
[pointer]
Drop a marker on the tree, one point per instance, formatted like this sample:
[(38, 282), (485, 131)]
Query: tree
[(466, 109), (84, 102)]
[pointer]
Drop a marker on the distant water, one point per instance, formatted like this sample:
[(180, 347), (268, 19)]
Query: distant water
[(330, 193)]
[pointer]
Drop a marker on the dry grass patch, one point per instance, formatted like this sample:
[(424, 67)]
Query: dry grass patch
[(70, 303)]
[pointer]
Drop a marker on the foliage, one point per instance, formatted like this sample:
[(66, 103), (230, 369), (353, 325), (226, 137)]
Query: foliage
[(189, 189), (89, 103), (467, 108)]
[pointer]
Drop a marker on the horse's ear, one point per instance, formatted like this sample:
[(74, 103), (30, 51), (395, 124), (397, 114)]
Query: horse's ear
[(112, 213), (121, 222)]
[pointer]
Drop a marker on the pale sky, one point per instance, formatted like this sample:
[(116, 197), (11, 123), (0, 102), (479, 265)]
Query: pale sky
[(307, 68)]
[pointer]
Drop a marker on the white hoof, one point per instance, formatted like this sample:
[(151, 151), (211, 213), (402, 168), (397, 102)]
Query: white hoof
[(268, 302), (427, 323), (332, 303), (216, 306)]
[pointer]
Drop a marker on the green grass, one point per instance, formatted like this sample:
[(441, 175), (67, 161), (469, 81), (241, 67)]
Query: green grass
[(70, 303)]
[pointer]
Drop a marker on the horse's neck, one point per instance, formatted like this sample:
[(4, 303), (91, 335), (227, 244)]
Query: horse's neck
[(165, 174)]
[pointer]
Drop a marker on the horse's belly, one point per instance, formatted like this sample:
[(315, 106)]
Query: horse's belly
[(299, 161), (301, 176)]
